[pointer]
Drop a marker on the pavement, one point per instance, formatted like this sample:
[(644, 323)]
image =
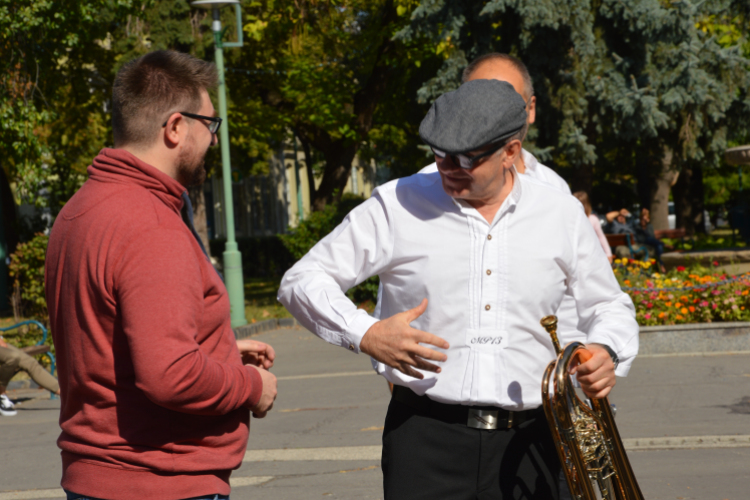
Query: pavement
[(685, 421)]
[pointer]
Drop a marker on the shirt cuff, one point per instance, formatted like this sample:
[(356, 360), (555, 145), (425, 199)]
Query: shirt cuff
[(356, 330)]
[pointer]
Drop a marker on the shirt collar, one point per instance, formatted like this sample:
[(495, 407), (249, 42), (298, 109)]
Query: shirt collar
[(529, 161), (514, 197)]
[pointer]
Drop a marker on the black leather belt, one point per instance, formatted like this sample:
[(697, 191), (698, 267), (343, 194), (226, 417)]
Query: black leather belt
[(478, 417)]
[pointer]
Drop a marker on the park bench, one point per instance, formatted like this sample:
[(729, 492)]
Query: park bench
[(674, 234), (624, 239), (38, 348)]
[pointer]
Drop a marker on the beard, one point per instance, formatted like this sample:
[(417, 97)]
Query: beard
[(191, 167)]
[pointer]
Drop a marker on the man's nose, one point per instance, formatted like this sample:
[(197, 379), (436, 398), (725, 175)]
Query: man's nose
[(214, 140)]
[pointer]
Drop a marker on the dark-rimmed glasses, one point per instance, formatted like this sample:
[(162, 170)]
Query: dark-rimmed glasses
[(214, 122), (464, 161)]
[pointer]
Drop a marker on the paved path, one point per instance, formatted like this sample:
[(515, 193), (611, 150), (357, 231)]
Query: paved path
[(685, 420)]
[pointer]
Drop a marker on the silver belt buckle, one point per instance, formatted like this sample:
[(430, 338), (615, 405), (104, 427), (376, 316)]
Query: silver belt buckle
[(482, 419)]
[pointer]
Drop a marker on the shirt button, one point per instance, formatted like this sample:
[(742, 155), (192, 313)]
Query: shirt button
[(487, 307), (489, 236), (489, 272), (351, 347)]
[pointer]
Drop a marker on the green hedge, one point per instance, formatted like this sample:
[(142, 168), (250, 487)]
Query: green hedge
[(262, 256)]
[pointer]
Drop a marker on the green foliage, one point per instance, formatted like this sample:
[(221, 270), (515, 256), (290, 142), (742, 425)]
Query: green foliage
[(315, 227), (622, 87), (27, 269), (332, 75), (54, 68), (262, 256)]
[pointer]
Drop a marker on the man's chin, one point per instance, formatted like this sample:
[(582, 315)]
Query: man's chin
[(456, 188)]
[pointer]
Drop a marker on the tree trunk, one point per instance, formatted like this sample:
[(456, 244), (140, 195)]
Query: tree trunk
[(339, 160), (660, 194), (200, 222), (583, 178), (309, 167), (644, 171), (688, 200)]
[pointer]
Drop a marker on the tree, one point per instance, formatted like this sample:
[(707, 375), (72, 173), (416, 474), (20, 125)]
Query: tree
[(55, 61), (626, 90), (322, 70)]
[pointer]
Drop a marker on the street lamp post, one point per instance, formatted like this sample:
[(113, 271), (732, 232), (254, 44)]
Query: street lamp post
[(232, 257)]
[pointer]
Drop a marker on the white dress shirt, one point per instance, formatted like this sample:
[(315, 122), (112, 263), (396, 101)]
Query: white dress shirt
[(568, 329), (488, 285), (543, 173)]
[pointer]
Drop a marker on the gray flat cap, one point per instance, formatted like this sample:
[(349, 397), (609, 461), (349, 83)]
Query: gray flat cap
[(478, 113)]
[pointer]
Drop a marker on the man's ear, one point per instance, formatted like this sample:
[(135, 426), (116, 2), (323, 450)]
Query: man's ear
[(531, 110), (175, 130), (512, 152)]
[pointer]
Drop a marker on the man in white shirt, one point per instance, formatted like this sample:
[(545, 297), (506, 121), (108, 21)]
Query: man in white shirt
[(493, 252)]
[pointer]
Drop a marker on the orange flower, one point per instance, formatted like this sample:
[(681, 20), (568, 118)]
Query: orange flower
[(744, 292), (668, 304), (678, 317), (684, 299), (684, 310), (661, 315), (677, 305), (692, 309)]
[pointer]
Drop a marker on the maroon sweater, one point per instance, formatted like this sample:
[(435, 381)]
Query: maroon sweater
[(155, 399)]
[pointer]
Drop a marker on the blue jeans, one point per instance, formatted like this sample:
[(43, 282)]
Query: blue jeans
[(76, 496)]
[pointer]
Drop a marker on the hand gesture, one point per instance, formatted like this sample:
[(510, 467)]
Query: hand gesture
[(597, 374), (269, 393), (256, 353), (395, 343)]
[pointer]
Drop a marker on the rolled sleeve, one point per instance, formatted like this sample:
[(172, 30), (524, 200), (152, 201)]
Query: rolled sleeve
[(605, 312)]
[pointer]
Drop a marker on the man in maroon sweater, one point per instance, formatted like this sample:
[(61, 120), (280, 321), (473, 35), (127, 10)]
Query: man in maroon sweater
[(156, 399)]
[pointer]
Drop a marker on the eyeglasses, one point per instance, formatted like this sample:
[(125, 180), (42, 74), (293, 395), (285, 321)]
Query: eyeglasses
[(464, 161), (214, 122)]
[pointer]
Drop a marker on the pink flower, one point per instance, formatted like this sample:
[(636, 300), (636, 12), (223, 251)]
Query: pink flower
[(647, 316), (704, 303), (714, 306), (716, 263), (738, 292), (680, 269), (715, 292), (734, 307)]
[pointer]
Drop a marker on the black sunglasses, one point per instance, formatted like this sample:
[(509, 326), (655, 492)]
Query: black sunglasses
[(213, 125), (464, 161)]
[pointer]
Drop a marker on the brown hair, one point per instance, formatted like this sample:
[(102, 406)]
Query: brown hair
[(528, 85), (584, 199), (148, 89)]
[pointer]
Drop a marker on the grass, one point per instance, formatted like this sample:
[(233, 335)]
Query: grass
[(260, 300)]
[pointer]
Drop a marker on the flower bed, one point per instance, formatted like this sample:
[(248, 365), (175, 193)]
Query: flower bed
[(683, 295)]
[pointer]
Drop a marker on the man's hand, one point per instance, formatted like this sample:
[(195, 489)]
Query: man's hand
[(268, 396), (256, 353), (597, 375), (394, 342)]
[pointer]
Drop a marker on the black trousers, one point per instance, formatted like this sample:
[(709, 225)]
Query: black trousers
[(426, 458)]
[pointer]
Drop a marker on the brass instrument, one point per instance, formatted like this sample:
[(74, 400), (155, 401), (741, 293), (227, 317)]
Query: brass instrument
[(590, 449)]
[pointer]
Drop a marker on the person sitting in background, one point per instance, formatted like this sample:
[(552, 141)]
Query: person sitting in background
[(583, 197), (12, 360), (617, 223), (644, 234)]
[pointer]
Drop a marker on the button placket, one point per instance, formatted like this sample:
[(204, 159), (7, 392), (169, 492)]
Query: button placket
[(489, 282)]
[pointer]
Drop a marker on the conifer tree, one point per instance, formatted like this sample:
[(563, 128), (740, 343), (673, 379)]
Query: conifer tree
[(632, 88)]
